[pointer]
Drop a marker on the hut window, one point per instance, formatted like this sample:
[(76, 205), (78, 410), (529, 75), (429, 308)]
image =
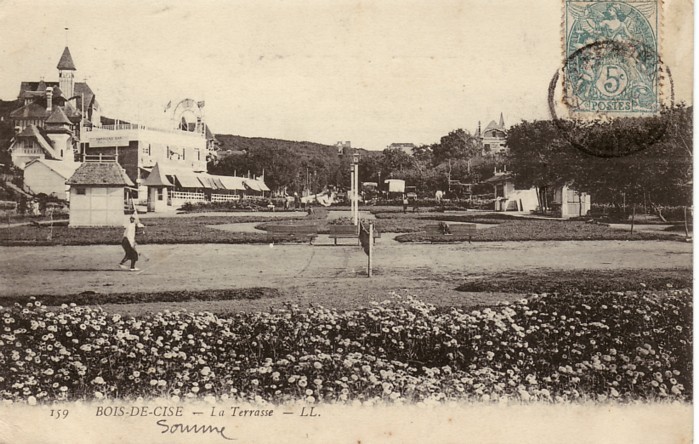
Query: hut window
[(80, 191), (160, 194)]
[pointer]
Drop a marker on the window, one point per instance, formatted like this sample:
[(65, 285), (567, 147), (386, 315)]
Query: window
[(160, 194), (146, 149), (80, 191)]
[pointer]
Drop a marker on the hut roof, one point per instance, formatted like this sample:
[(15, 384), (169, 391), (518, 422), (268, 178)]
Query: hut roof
[(100, 173)]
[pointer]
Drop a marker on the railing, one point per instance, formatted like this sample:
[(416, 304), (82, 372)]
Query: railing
[(224, 197), (187, 196), (135, 126)]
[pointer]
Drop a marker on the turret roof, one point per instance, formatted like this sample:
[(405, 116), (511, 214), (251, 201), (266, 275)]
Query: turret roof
[(66, 62), (58, 116)]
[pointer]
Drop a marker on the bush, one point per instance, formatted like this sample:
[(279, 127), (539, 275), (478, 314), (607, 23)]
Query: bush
[(234, 205)]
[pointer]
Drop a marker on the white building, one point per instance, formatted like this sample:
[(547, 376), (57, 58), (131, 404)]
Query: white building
[(99, 192), (563, 201), (186, 145), (43, 176)]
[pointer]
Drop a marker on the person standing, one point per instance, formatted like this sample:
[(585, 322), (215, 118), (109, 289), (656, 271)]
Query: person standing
[(128, 242), (405, 203)]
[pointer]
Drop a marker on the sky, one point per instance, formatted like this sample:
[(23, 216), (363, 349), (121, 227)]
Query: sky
[(371, 72)]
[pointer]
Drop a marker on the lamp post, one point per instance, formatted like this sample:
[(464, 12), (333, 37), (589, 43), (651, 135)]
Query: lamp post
[(355, 187)]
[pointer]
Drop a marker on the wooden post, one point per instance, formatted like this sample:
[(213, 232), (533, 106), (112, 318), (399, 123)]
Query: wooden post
[(686, 227), (633, 216), (371, 248)]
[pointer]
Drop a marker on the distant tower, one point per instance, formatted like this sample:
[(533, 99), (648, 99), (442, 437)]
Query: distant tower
[(502, 121), (66, 74)]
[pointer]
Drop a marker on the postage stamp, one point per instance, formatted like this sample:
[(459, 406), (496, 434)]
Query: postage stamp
[(612, 57)]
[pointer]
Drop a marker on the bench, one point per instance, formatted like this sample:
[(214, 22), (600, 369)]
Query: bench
[(292, 232), (348, 232), (442, 230)]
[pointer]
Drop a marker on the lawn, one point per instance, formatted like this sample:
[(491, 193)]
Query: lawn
[(519, 229), (580, 281), (188, 230), (166, 230)]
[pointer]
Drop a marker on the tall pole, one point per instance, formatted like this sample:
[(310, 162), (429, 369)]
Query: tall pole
[(356, 190), (371, 249), (351, 192)]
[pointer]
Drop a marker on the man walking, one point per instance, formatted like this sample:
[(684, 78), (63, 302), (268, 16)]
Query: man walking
[(128, 242)]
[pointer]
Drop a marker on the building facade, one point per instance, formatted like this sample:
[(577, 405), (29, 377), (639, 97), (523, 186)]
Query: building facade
[(49, 122), (493, 137)]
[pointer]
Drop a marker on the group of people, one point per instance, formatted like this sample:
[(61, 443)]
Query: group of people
[(406, 202)]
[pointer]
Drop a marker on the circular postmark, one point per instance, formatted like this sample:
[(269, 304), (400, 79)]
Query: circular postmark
[(607, 98)]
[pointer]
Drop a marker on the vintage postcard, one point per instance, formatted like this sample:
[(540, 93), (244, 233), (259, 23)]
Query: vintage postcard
[(347, 222)]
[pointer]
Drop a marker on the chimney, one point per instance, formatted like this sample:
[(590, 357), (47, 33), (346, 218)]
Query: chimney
[(49, 99)]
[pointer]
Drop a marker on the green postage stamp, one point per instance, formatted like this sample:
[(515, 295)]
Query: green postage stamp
[(612, 63)]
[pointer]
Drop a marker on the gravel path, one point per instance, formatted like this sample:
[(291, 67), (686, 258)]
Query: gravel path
[(317, 270)]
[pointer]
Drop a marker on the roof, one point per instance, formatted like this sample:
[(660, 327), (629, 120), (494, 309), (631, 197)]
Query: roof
[(30, 111), (100, 173), (156, 178), (62, 167), (256, 184), (232, 182), (33, 132), (188, 180), (66, 61), (496, 126), (30, 132), (58, 116), (82, 89), (38, 90), (207, 181), (252, 184)]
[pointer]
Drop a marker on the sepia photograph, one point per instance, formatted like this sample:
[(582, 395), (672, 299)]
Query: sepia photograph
[(356, 221)]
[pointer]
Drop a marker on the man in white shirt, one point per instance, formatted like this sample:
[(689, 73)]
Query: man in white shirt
[(128, 242)]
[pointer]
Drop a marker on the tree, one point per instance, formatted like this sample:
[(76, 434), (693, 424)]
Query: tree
[(651, 157), (423, 154), (394, 160), (458, 144)]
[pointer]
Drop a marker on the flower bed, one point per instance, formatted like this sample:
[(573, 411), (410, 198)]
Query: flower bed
[(619, 346)]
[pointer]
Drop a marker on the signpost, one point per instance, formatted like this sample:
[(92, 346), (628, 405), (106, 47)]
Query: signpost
[(366, 237)]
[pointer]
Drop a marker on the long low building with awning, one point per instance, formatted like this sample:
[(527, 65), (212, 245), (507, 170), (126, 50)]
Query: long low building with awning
[(188, 186)]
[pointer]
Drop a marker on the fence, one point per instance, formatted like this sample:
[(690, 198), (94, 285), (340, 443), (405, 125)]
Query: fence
[(187, 196)]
